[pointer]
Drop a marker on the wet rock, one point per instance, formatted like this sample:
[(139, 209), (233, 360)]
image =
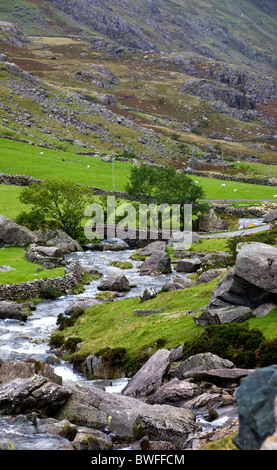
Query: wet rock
[(256, 397), (7, 444), (61, 428), (149, 378), (114, 244), (115, 282), (12, 310), (11, 370), (92, 439), (159, 262), (36, 393)]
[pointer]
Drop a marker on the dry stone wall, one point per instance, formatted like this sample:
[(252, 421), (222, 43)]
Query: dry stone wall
[(32, 289)]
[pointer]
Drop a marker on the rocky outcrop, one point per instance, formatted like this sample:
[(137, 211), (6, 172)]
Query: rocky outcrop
[(158, 262), (249, 285), (12, 234), (209, 224)]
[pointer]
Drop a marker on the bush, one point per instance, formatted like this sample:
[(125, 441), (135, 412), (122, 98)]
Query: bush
[(267, 353), (56, 340), (65, 321), (49, 291), (71, 343), (233, 341)]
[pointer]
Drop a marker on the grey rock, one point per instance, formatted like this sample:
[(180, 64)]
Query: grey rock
[(152, 247), (211, 224), (147, 311), (229, 314), (189, 265), (12, 310), (208, 276), (175, 392), (130, 419), (115, 282), (256, 263), (27, 395), (256, 408), (149, 378), (58, 238), (12, 234), (4, 268), (148, 293), (6, 444), (201, 362), (11, 370), (264, 309), (271, 216), (92, 439), (81, 302), (159, 262), (169, 286), (220, 376), (114, 244)]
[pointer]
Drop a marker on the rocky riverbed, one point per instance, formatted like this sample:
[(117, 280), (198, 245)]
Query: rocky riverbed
[(164, 406)]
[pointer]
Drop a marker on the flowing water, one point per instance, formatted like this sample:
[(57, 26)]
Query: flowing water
[(23, 340)]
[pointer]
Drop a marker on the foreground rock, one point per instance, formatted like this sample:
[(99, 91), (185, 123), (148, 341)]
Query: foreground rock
[(158, 263), (149, 378), (128, 418), (21, 370), (257, 408), (12, 310), (115, 282), (228, 314), (12, 234), (34, 394)]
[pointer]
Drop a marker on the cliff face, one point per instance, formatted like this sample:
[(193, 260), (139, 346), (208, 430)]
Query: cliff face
[(217, 29)]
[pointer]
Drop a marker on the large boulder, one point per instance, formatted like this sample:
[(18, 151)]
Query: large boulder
[(33, 394), (256, 263), (149, 378), (255, 399), (80, 303), (189, 265), (271, 216), (210, 224), (12, 310), (253, 280), (12, 370), (12, 234), (130, 419), (159, 262), (115, 282), (59, 239), (48, 256), (157, 245), (200, 362)]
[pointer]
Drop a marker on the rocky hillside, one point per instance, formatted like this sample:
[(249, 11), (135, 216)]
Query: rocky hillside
[(172, 74)]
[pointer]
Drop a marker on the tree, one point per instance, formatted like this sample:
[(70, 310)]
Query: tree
[(163, 185), (59, 200)]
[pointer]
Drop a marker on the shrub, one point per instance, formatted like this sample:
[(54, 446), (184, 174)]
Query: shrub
[(267, 353), (49, 291), (71, 343), (233, 341), (56, 340)]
